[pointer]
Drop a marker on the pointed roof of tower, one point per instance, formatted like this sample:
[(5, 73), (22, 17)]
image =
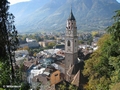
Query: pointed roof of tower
[(71, 17)]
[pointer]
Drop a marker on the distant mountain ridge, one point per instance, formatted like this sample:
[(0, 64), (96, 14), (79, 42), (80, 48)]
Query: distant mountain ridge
[(51, 15)]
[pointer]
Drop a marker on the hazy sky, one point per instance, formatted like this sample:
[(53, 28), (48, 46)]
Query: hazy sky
[(118, 1), (16, 1)]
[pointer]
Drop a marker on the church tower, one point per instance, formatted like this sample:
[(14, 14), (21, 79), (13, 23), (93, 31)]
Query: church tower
[(71, 46)]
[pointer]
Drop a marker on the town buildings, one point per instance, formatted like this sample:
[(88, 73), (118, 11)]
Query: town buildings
[(62, 63)]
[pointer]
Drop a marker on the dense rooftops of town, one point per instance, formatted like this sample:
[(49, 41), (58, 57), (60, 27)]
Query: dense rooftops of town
[(48, 63)]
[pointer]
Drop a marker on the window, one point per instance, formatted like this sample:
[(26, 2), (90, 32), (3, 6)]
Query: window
[(75, 43), (69, 27), (56, 74), (68, 43)]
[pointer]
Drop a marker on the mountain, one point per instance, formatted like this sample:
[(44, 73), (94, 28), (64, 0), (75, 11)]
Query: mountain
[(51, 15)]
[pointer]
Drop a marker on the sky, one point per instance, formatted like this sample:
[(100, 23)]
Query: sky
[(17, 1), (118, 1)]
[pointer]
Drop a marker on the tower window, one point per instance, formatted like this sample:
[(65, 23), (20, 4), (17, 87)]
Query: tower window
[(75, 43), (68, 43)]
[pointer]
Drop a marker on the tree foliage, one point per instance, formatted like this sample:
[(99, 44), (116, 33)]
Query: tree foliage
[(66, 86), (50, 45), (4, 73), (25, 86), (103, 67), (8, 44)]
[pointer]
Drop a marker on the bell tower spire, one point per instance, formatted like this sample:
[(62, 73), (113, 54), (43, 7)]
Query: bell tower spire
[(71, 44), (71, 17)]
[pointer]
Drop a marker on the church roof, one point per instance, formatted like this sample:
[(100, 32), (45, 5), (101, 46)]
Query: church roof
[(76, 79), (70, 70), (71, 17)]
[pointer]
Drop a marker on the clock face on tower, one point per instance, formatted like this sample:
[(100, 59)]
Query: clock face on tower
[(69, 32)]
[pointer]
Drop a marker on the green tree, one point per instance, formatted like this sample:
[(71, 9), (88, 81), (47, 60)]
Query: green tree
[(38, 87), (80, 42), (4, 73), (72, 87), (25, 86), (103, 67), (50, 45), (116, 86), (96, 67), (66, 86), (62, 86), (95, 33), (8, 44), (114, 50), (114, 30)]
